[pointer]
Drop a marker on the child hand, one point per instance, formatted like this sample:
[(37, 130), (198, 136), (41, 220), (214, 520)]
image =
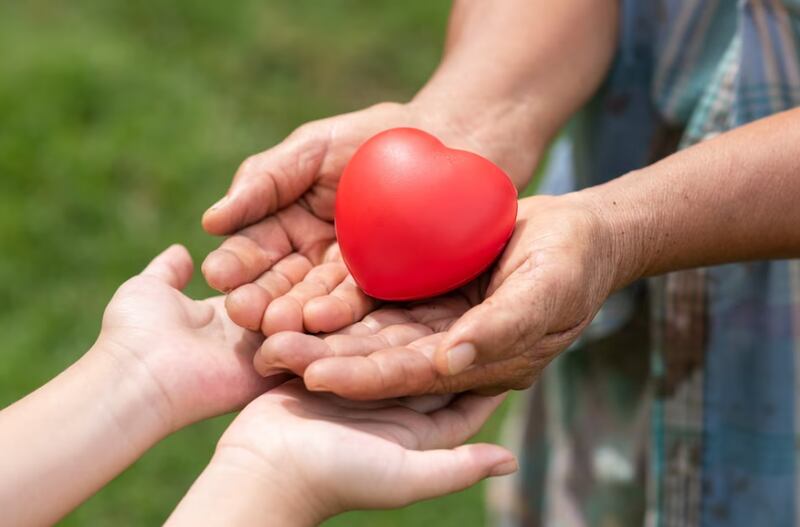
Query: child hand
[(194, 362), (161, 361), (295, 458)]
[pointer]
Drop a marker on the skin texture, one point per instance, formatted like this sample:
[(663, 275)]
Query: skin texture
[(281, 203), (281, 266), (295, 458), (568, 253), (731, 198), (161, 361), (546, 267), (195, 358)]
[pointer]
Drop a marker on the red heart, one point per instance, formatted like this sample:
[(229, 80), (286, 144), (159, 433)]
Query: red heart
[(416, 219)]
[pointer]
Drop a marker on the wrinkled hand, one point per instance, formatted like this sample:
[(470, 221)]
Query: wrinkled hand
[(281, 266), (193, 360), (496, 334), (323, 455)]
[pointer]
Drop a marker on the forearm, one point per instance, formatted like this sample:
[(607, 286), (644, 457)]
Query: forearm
[(517, 69), (66, 440), (732, 198)]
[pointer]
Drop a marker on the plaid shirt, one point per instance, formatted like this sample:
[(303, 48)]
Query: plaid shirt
[(681, 404)]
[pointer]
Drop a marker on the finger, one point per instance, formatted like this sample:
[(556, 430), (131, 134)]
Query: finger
[(254, 250), (289, 350), (345, 305), (296, 351), (512, 318), (441, 312), (330, 404), (173, 267), (409, 371), (269, 181), (392, 336), (394, 372), (460, 420), (438, 314), (433, 473), (247, 304), (243, 257), (366, 409), (426, 404), (376, 321), (496, 377), (286, 312)]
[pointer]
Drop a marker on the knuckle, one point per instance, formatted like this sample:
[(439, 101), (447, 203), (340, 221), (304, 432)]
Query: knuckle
[(304, 131), (528, 270), (523, 382), (533, 362), (250, 164), (134, 285), (524, 330)]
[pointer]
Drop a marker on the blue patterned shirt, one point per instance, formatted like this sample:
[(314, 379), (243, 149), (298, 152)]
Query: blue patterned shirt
[(681, 404)]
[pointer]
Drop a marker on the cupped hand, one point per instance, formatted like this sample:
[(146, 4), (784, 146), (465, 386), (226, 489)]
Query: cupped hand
[(324, 455), (192, 358), (281, 266), (371, 343), (496, 334)]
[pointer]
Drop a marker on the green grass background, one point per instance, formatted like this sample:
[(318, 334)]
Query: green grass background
[(119, 123)]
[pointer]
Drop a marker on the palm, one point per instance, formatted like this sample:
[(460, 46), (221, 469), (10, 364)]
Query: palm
[(405, 336), (365, 450), (198, 358), (393, 351), (283, 254)]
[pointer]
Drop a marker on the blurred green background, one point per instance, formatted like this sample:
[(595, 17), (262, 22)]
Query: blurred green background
[(119, 123)]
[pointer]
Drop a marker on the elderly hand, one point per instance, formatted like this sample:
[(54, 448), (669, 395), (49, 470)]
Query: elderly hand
[(282, 254), (493, 335)]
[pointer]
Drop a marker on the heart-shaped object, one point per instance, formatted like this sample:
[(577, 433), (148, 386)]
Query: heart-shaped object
[(416, 219)]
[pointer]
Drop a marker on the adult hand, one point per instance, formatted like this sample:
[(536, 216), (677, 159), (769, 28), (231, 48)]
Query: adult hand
[(282, 253), (496, 334)]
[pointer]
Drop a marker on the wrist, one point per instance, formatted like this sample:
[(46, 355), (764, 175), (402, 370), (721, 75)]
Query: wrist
[(132, 401), (502, 129), (291, 497), (624, 231), (240, 488), (101, 422)]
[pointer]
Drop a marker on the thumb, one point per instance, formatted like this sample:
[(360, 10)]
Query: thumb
[(269, 181), (432, 473), (173, 267), (515, 313)]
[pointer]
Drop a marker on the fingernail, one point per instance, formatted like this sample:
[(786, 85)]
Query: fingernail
[(277, 362), (460, 357), (504, 469), (270, 371), (316, 386), (220, 203)]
